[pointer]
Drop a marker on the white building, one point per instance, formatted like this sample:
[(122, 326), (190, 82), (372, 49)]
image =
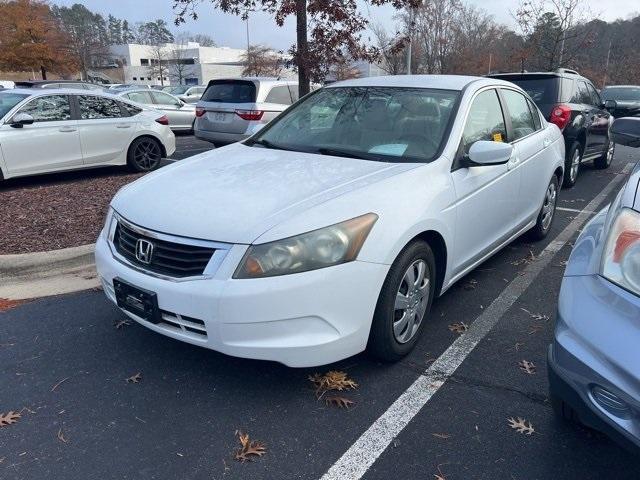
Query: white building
[(187, 63)]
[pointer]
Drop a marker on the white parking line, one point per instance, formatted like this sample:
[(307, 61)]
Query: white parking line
[(574, 210), (354, 463)]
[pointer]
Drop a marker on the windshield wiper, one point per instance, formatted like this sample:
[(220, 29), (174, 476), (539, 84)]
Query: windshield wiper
[(346, 153), (271, 145)]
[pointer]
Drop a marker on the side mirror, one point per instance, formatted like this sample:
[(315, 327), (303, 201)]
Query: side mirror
[(626, 131), (19, 120), (610, 104), (489, 153)]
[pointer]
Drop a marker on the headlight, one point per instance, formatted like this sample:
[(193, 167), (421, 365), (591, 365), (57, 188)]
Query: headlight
[(321, 248), (107, 224), (621, 257)]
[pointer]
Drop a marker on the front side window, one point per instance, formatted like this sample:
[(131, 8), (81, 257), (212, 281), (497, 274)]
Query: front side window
[(485, 120), (9, 100), (92, 107), (164, 98), (595, 97), (140, 97), (52, 108), (375, 123), (519, 113)]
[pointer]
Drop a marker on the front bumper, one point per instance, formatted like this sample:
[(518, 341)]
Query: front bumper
[(596, 347), (300, 320)]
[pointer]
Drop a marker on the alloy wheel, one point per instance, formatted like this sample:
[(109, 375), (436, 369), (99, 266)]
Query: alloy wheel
[(412, 299), (575, 165), (610, 152), (549, 206), (147, 155)]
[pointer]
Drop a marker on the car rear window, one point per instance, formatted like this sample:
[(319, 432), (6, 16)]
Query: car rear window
[(541, 90), (230, 91)]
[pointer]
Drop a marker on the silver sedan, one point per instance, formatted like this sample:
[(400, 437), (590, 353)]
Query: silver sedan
[(181, 115)]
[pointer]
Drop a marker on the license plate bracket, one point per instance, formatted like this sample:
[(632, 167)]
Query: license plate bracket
[(142, 303)]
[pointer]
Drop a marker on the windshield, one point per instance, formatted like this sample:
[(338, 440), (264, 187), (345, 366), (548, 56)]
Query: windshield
[(9, 100), (376, 123), (180, 90), (629, 94)]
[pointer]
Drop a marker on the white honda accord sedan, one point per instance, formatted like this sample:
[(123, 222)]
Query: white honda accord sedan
[(333, 229), (53, 130)]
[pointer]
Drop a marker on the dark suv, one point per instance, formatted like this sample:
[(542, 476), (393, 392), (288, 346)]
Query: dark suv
[(571, 102)]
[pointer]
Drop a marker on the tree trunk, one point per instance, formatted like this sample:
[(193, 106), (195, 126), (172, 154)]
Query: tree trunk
[(304, 79), (43, 71)]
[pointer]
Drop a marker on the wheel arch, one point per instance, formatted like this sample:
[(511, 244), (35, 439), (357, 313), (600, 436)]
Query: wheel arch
[(439, 246), (153, 137)]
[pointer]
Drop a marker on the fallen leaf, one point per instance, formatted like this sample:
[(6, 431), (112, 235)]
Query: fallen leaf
[(535, 329), (459, 327), (333, 380), (249, 450), (9, 419), (536, 316), (121, 323), (441, 435), (521, 425), (470, 285), (563, 263), (9, 304), (439, 475), (516, 346), (525, 261), (135, 378), (527, 367), (339, 402), (61, 436), (59, 383)]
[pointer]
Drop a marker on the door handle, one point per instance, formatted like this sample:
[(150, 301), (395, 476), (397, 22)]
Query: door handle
[(123, 125), (67, 129), (546, 142)]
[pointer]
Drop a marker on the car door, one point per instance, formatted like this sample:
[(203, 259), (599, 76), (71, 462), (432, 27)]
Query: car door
[(484, 194), (600, 126), (589, 112), (528, 140), (106, 129), (51, 143), (179, 116)]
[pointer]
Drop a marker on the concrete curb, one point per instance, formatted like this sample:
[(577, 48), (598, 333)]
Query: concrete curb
[(41, 274)]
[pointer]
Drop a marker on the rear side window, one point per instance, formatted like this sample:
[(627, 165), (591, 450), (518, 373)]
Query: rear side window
[(485, 120), (129, 109), (52, 108), (521, 118), (162, 98), (581, 94), (535, 114), (279, 95), (140, 97), (541, 90), (595, 97), (98, 107), (230, 91), (293, 90)]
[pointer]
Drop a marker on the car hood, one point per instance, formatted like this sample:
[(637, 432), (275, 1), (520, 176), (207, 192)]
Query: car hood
[(235, 193)]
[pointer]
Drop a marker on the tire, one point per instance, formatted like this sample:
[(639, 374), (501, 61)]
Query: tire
[(386, 342), (574, 159), (144, 155), (547, 212), (605, 160)]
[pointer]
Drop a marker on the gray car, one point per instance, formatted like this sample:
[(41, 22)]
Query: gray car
[(594, 360), (233, 109), (188, 93), (181, 115)]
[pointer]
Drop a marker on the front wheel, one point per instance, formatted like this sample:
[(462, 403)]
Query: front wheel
[(605, 160), (547, 211), (145, 154), (404, 302)]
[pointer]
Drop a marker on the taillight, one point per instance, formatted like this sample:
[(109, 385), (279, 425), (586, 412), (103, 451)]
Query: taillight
[(560, 116), (250, 114), (200, 111), (163, 120)]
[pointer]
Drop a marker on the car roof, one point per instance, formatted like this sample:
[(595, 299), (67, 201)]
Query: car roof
[(443, 82), (59, 91), (621, 86), (261, 80)]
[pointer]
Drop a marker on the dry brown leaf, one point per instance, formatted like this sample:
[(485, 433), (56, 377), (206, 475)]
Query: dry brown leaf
[(340, 402), (527, 367), (9, 304), (333, 380), (121, 323), (61, 436), (521, 425), (439, 475), (441, 435), (9, 418), (459, 327), (135, 378), (249, 450), (525, 261), (470, 285)]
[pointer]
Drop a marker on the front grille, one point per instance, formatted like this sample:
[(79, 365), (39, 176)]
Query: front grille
[(172, 259)]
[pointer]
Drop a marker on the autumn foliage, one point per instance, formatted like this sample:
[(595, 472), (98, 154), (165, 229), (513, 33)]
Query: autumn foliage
[(31, 39)]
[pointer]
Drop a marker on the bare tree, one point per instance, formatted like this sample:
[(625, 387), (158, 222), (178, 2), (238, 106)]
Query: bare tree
[(260, 60), (550, 27), (180, 64), (392, 50), (158, 62)]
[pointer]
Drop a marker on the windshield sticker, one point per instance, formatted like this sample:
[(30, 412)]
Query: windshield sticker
[(497, 137), (395, 149)]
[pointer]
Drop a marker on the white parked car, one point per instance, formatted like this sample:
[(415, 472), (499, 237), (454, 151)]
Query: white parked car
[(333, 229), (50, 130)]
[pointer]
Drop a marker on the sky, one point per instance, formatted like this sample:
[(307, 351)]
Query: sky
[(228, 30)]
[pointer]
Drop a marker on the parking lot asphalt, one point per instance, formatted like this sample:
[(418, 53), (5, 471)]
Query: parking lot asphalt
[(64, 365), (188, 145)]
